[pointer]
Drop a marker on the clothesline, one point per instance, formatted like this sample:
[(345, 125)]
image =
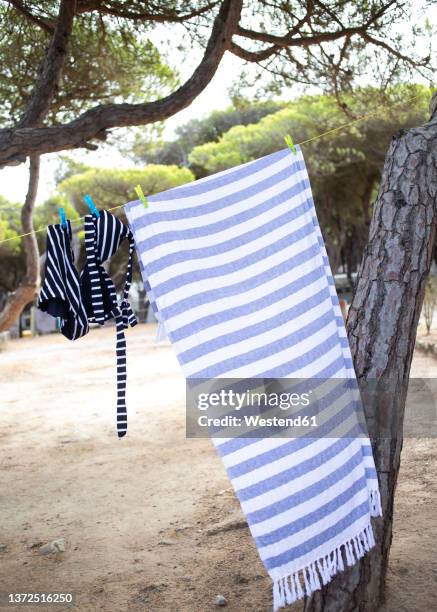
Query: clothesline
[(336, 129)]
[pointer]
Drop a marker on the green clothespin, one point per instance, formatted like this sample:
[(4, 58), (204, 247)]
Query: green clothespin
[(289, 141), (141, 195)]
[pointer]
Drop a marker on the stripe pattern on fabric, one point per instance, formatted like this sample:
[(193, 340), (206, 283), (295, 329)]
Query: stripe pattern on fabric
[(236, 267), (90, 297)]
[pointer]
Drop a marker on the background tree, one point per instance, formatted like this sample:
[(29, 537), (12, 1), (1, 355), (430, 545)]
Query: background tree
[(344, 168), (149, 149), (112, 187)]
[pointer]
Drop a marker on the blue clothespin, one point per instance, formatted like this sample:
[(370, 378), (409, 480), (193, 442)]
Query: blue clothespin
[(289, 141), (91, 205), (63, 217), (141, 196)]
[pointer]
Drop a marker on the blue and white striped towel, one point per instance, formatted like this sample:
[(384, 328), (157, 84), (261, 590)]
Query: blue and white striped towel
[(236, 267)]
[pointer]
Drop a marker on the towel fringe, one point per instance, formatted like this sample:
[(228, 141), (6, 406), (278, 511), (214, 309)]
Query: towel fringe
[(349, 554), (288, 589)]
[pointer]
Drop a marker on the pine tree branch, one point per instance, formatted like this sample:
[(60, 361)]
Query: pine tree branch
[(18, 143)]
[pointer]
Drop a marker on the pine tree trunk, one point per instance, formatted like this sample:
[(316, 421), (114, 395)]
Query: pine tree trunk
[(382, 327), (27, 289)]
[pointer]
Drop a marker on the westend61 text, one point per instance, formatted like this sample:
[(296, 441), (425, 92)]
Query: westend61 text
[(256, 421)]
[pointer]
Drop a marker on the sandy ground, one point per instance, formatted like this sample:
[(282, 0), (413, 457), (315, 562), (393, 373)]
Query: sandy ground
[(135, 512)]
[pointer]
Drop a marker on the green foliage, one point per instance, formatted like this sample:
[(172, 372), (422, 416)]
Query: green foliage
[(146, 148), (110, 60), (48, 213), (12, 265), (109, 187), (9, 226), (310, 116), (68, 167), (344, 166)]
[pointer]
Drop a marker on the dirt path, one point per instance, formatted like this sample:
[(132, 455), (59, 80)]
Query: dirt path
[(135, 512)]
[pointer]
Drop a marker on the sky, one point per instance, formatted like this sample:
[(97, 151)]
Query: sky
[(13, 180)]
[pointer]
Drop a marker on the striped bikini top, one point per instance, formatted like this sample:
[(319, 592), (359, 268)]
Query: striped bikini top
[(91, 296)]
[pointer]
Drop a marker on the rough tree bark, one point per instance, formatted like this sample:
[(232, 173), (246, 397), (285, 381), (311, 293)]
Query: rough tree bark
[(27, 289), (382, 327)]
